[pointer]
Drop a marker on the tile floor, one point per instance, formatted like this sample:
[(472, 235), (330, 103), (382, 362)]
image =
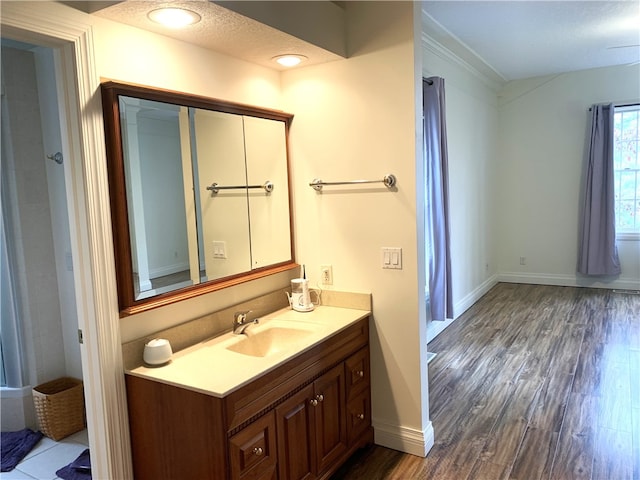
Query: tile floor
[(47, 457)]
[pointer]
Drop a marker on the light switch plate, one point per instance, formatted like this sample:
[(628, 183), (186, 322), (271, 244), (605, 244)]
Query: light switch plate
[(219, 249), (392, 258)]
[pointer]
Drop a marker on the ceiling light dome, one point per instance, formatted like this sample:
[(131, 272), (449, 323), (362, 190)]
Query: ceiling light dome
[(290, 59), (173, 17)]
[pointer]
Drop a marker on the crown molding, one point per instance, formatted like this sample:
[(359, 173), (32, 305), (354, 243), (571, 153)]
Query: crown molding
[(438, 40)]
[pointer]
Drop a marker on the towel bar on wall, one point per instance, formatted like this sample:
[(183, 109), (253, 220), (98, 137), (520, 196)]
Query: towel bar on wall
[(388, 180), (215, 188)]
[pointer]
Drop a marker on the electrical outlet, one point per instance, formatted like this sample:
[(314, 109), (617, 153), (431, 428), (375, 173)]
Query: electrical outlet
[(523, 260), (326, 274)]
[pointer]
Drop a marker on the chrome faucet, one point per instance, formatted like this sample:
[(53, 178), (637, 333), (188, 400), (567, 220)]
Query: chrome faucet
[(240, 323)]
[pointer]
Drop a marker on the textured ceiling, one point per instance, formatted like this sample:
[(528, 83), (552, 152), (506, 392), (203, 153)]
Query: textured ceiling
[(221, 30), (506, 40), (522, 39)]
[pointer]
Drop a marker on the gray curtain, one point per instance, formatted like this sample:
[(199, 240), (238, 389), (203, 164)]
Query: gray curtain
[(437, 198), (597, 251)]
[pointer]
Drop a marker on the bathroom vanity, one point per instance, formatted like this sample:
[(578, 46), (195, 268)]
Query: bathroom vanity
[(289, 400)]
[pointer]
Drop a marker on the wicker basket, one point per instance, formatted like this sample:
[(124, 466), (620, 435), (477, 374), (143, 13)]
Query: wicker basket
[(59, 407)]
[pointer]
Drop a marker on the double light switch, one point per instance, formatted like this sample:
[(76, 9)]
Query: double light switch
[(392, 258)]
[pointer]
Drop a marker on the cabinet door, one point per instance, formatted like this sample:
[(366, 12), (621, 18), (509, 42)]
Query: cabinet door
[(220, 154), (266, 157), (329, 415), (252, 451), (295, 446)]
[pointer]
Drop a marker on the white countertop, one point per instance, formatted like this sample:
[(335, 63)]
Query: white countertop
[(209, 367)]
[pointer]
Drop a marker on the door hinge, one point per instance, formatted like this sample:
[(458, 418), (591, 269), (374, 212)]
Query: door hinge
[(80, 336)]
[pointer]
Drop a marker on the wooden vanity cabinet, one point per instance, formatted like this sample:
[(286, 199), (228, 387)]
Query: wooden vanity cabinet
[(300, 421)]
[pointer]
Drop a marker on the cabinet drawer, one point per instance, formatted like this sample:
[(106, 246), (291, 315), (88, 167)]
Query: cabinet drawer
[(358, 374), (252, 451), (358, 415)]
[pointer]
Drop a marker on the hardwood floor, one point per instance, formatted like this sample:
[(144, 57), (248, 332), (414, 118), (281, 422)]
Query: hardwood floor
[(532, 382)]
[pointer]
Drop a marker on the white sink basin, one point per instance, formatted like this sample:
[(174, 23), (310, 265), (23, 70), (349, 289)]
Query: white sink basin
[(269, 340)]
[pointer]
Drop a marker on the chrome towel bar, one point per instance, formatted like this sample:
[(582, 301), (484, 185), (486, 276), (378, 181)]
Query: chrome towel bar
[(215, 188), (388, 180)]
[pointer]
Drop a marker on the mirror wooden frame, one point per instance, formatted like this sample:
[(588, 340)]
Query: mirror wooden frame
[(127, 303)]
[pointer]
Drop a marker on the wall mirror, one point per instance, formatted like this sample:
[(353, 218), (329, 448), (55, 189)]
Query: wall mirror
[(199, 194)]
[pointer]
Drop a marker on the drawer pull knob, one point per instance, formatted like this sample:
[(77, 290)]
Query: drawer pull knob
[(359, 373), (258, 451), (314, 402), (320, 397), (360, 416)]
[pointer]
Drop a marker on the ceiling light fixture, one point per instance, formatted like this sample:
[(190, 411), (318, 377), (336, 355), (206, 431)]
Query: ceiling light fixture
[(174, 17), (290, 59)]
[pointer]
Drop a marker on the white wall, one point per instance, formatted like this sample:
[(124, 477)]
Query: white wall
[(472, 132), (131, 55), (356, 118), (543, 123)]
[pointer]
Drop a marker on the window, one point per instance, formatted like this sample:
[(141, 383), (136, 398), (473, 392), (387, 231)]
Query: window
[(626, 168)]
